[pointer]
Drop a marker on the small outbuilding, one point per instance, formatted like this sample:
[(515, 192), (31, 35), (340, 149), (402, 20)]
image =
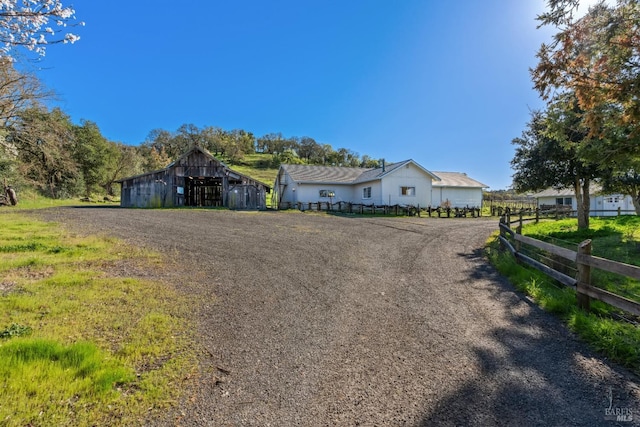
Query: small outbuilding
[(195, 179), (457, 190), (600, 204)]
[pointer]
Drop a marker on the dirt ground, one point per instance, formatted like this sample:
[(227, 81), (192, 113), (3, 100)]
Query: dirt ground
[(319, 320)]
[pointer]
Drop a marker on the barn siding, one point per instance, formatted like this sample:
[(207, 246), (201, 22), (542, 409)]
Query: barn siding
[(197, 178)]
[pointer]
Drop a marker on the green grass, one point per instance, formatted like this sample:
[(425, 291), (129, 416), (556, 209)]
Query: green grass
[(79, 346), (29, 199), (257, 166), (613, 238)]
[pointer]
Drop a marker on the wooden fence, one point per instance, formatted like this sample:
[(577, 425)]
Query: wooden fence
[(583, 259), (513, 204), (373, 209), (556, 212)]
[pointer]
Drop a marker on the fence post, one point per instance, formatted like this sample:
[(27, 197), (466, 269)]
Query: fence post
[(520, 215), (619, 211), (517, 243), (537, 215), (584, 275)]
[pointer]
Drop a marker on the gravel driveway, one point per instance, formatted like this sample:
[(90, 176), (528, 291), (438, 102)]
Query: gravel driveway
[(318, 320)]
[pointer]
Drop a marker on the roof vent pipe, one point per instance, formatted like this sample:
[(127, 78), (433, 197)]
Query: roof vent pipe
[(382, 160)]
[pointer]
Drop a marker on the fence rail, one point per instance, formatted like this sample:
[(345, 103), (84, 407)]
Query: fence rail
[(584, 261), (373, 209), (555, 212)]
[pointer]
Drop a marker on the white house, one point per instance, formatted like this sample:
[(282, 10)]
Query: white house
[(403, 183), (600, 204), (457, 190)]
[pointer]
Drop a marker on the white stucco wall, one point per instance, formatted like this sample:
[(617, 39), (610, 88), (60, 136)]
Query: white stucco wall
[(376, 193), (310, 193), (457, 197), (285, 188), (407, 176)]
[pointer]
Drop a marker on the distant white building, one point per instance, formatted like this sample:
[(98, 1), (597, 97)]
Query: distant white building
[(600, 204)]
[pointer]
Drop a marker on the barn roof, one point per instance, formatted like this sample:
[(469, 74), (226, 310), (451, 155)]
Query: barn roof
[(344, 175), (457, 179), (187, 154), (191, 151)]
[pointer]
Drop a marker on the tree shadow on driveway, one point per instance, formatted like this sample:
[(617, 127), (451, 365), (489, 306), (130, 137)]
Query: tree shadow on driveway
[(532, 371)]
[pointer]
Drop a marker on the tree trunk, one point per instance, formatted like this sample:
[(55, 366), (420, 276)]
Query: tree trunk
[(586, 203), (582, 203), (52, 188), (636, 203), (13, 198)]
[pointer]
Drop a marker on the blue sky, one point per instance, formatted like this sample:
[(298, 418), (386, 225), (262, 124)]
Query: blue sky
[(444, 83)]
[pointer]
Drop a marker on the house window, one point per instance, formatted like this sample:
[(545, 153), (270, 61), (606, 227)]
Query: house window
[(407, 191), (566, 201), (327, 193), (614, 199), (366, 193)]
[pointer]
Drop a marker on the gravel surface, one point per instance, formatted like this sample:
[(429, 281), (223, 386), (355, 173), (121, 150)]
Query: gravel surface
[(319, 320)]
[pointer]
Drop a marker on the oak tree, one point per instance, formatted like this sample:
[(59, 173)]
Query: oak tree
[(597, 57), (44, 142), (547, 155)]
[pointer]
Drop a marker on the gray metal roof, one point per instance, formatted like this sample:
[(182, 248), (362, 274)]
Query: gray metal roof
[(562, 192), (343, 175), (457, 179), (329, 174)]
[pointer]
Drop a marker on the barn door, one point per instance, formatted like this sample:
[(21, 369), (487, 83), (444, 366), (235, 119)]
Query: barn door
[(203, 191)]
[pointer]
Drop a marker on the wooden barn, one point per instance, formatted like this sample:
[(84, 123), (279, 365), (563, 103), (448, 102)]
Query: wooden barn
[(195, 179)]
